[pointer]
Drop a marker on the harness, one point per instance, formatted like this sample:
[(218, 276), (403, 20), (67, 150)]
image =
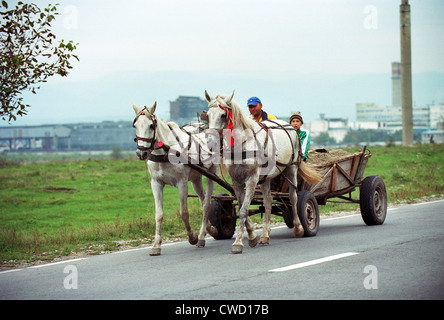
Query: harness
[(162, 145), (263, 126)]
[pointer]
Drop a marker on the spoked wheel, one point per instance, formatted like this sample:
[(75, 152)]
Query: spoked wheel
[(221, 218), (308, 213), (373, 200)]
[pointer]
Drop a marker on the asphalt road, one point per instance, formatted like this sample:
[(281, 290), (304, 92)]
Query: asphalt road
[(401, 259)]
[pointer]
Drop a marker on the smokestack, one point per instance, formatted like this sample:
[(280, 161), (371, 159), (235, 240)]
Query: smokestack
[(396, 84)]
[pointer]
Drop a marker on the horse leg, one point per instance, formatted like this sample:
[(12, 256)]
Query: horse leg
[(252, 237), (207, 206), (268, 199), (298, 229), (183, 194), (250, 186), (157, 189), (205, 200)]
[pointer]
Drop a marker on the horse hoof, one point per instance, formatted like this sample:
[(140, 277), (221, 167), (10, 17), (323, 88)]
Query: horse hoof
[(155, 252), (201, 243), (299, 233), (264, 241), (236, 249), (252, 243), (193, 241), (213, 232)]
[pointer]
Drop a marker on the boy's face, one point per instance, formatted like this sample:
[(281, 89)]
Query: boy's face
[(296, 123)]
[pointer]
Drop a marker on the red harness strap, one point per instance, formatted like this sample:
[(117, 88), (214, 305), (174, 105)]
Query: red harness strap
[(229, 125)]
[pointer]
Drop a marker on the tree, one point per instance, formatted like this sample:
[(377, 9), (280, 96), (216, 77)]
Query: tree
[(324, 139), (28, 54)]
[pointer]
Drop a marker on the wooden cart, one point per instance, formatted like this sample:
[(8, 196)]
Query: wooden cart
[(340, 177)]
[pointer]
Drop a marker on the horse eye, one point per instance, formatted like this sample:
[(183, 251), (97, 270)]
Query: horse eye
[(224, 115), (152, 127)]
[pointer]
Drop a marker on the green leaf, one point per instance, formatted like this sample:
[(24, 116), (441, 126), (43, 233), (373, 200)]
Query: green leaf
[(5, 4)]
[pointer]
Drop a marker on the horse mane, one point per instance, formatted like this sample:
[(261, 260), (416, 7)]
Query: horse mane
[(172, 124), (240, 119)]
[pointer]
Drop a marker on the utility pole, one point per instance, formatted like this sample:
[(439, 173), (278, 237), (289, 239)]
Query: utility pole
[(406, 75)]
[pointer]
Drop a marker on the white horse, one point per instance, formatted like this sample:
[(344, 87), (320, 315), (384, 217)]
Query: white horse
[(158, 142), (277, 145)]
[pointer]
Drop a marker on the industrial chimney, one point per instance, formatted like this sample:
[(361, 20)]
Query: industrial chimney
[(396, 84)]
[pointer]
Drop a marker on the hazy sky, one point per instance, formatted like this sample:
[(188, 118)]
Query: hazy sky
[(246, 36), (341, 36)]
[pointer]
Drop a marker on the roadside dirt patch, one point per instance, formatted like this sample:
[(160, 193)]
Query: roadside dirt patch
[(56, 189)]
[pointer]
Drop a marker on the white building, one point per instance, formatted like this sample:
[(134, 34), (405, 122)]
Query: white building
[(436, 115), (337, 128), (392, 116)]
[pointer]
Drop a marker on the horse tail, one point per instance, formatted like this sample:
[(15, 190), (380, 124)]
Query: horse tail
[(309, 173), (223, 170)]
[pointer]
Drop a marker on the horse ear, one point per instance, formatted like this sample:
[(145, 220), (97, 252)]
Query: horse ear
[(135, 108), (208, 97), (229, 98), (153, 107)]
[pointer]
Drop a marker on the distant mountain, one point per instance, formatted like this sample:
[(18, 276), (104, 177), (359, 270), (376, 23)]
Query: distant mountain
[(110, 98)]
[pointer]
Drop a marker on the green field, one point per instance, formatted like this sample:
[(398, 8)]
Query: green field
[(52, 208)]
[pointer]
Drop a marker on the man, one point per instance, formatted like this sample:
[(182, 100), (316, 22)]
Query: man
[(255, 107), (296, 121)]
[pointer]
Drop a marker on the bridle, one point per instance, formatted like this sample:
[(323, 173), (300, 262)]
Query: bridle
[(149, 140)]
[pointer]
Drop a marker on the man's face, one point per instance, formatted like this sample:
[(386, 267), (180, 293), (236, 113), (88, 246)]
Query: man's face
[(255, 110)]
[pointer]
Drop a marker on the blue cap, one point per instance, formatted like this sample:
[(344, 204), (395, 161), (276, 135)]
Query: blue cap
[(253, 101)]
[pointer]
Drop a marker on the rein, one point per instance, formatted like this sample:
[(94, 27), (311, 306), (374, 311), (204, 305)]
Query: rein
[(229, 124)]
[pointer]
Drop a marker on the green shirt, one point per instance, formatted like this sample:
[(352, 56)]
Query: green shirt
[(304, 135)]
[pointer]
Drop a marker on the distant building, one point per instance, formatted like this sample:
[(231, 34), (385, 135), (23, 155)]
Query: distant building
[(337, 128), (103, 135), (424, 117), (436, 116), (43, 138), (436, 133), (68, 137), (185, 108)]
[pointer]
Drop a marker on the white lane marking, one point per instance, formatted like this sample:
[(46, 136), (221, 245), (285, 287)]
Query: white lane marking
[(146, 248), (313, 262), (43, 265), (54, 263), (341, 217)]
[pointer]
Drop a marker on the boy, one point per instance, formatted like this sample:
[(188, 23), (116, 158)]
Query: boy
[(296, 121)]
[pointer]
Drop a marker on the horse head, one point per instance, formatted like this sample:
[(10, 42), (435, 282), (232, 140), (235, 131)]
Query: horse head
[(145, 124), (219, 116), (220, 110)]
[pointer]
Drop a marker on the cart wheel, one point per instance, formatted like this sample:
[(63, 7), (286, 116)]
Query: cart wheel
[(373, 200), (308, 212), (221, 218)]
